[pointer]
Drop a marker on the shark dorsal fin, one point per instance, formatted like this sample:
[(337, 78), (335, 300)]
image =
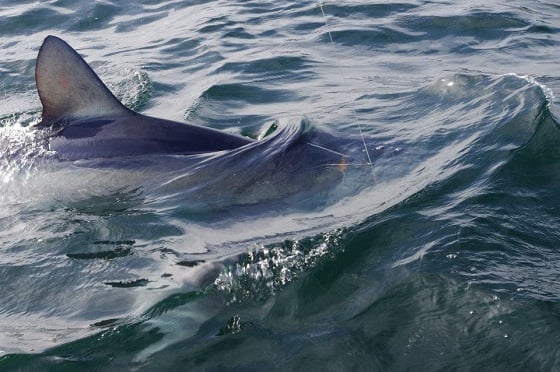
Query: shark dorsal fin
[(68, 87)]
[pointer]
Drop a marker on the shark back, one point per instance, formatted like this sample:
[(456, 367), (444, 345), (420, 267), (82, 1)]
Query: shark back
[(68, 87)]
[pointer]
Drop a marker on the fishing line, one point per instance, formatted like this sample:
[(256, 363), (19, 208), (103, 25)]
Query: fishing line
[(354, 116)]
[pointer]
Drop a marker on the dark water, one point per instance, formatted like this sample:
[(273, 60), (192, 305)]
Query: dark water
[(443, 257)]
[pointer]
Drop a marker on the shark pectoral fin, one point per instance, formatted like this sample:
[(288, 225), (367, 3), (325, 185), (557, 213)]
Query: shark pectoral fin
[(68, 87)]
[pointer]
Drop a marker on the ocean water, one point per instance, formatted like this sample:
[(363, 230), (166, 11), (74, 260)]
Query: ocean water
[(436, 246)]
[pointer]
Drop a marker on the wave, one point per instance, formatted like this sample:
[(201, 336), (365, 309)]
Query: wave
[(442, 154)]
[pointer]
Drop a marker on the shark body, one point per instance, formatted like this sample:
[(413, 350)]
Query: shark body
[(86, 124)]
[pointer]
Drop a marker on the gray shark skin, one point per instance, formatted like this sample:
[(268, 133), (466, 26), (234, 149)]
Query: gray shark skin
[(89, 122), (85, 124)]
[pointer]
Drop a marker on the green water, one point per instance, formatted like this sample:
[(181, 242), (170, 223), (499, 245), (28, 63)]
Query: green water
[(443, 257)]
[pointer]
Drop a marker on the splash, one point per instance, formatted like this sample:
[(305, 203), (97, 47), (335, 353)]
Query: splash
[(21, 150), (263, 272), (134, 89)]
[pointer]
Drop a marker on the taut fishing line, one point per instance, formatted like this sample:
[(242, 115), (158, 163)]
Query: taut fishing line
[(354, 116)]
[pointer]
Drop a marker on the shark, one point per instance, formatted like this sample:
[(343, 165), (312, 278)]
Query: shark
[(86, 124)]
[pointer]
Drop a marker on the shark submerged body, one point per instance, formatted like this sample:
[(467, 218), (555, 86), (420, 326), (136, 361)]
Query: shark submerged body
[(87, 125)]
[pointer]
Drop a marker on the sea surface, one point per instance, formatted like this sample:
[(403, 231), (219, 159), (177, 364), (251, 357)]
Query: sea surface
[(437, 248)]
